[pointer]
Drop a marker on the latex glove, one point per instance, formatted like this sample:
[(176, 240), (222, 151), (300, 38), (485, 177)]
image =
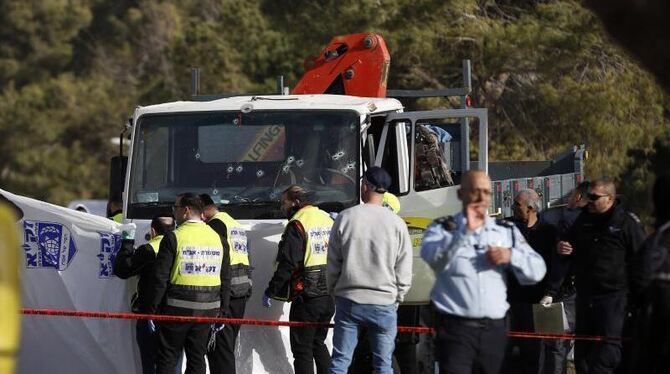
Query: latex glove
[(546, 301), (267, 302), (128, 231)]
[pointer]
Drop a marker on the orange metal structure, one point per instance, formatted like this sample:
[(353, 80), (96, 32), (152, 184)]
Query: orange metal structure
[(355, 64)]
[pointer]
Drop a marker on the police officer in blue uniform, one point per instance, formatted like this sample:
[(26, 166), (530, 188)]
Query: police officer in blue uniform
[(472, 255)]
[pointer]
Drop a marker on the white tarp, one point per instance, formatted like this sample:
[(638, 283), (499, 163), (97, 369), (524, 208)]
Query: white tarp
[(67, 265), (67, 257)]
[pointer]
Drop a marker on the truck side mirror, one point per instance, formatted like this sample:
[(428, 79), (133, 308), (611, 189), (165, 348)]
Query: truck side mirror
[(117, 175)]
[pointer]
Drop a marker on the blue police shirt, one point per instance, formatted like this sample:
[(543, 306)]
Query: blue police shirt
[(467, 284)]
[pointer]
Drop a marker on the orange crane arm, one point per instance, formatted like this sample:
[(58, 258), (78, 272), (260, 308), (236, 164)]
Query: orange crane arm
[(355, 64)]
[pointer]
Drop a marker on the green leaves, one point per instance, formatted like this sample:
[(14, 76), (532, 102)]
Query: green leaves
[(72, 71)]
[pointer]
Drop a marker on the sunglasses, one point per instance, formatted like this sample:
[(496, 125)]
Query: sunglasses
[(594, 196)]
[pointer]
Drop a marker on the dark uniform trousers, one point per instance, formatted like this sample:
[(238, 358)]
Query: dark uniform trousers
[(464, 344), (171, 337), (222, 359), (602, 315), (307, 343)]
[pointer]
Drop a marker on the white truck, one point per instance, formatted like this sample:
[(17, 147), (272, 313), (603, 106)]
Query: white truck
[(245, 150)]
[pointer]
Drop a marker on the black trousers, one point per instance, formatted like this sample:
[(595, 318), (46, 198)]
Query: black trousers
[(222, 359), (307, 343), (599, 315), (172, 338), (462, 344)]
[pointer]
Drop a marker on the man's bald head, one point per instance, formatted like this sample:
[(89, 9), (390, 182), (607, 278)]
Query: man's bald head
[(475, 189), (472, 176)]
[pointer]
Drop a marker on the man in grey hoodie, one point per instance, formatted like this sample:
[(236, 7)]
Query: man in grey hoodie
[(369, 271)]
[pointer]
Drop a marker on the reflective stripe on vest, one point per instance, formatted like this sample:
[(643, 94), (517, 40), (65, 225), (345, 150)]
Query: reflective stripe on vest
[(193, 304), (317, 225), (155, 243), (237, 239), (199, 256)]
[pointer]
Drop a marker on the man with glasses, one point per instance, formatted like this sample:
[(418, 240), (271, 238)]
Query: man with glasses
[(602, 243), (191, 270)]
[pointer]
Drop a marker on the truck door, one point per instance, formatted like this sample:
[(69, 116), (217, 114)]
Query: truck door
[(426, 152)]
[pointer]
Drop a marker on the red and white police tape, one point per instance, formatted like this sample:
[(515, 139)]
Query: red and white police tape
[(260, 322)]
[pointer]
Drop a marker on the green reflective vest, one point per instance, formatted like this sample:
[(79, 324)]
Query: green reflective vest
[(155, 243), (240, 281), (118, 217), (195, 279), (317, 225)]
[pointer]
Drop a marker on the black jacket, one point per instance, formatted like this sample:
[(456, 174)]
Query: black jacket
[(290, 260), (160, 278), (542, 238), (560, 278), (130, 262), (604, 247)]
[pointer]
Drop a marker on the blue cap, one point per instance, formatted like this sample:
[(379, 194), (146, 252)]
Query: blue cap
[(377, 178)]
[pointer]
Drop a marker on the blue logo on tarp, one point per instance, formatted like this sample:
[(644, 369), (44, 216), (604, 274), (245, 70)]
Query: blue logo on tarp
[(109, 247), (47, 245)]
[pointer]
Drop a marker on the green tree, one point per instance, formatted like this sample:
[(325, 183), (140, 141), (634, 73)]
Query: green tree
[(71, 72)]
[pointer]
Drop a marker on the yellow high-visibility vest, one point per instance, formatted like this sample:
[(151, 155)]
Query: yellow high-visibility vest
[(155, 243), (237, 239), (317, 225), (199, 256), (118, 217), (392, 202)]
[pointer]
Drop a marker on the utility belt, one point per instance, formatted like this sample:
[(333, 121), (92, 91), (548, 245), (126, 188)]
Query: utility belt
[(479, 323)]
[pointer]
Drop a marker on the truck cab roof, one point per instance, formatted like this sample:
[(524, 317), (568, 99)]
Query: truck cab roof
[(362, 105)]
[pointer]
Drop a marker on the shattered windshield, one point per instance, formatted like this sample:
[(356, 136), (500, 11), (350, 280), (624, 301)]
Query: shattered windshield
[(245, 160)]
